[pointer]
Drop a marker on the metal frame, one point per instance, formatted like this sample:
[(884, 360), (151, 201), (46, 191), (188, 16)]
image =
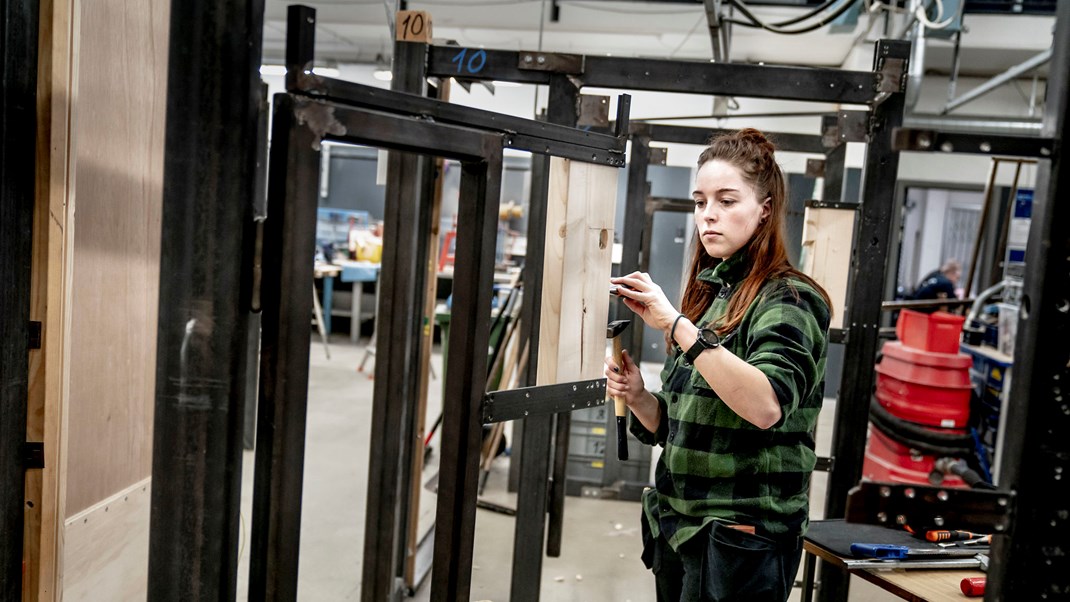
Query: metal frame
[(882, 89), (206, 291), (18, 152), (1029, 563), (317, 109)]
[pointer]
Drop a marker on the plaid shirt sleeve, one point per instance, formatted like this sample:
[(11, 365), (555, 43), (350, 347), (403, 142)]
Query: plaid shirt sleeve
[(789, 323), (642, 434)]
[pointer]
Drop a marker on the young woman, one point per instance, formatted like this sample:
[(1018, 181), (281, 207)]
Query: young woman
[(740, 393)]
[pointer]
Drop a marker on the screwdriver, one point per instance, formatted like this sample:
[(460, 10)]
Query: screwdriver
[(950, 535), (983, 539)]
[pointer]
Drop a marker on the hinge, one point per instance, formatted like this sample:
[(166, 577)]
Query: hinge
[(33, 455), (34, 335)]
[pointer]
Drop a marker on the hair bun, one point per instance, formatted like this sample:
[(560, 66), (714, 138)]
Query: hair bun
[(757, 138)]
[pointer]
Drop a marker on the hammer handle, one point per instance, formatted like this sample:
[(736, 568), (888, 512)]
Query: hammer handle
[(619, 407)]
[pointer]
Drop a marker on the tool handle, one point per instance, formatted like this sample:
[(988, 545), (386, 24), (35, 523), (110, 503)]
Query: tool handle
[(879, 550), (622, 438), (949, 535), (619, 407), (973, 587)]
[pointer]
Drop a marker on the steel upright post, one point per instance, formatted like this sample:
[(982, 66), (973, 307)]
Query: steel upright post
[(210, 166), (1031, 564), (873, 240)]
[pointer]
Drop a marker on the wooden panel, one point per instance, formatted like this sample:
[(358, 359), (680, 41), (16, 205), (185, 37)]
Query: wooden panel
[(579, 248), (56, 87), (552, 268), (826, 254), (118, 133), (108, 548)]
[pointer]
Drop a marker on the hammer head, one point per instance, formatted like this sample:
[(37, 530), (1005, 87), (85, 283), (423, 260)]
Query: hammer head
[(616, 327)]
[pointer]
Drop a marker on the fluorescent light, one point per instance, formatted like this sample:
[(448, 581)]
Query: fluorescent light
[(383, 75), (501, 84), (281, 70)]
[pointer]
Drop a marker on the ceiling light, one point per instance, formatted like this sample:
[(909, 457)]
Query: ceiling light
[(383, 75), (281, 70), (501, 84)]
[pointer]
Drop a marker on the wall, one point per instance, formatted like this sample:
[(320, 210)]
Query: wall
[(107, 69)]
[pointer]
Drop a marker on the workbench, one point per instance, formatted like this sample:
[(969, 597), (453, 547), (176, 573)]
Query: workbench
[(824, 539)]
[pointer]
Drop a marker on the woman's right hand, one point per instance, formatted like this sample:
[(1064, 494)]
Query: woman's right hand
[(625, 381)]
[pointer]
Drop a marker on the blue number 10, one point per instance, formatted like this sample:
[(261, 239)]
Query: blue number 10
[(475, 63)]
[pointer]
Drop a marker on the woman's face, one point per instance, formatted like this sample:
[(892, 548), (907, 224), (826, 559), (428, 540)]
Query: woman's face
[(727, 209)]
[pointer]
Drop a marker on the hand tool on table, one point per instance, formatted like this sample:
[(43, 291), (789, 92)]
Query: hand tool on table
[(613, 332), (950, 535), (977, 561), (896, 552), (980, 539)]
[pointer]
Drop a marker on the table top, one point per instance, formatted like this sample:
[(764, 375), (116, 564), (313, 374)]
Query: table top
[(917, 585)]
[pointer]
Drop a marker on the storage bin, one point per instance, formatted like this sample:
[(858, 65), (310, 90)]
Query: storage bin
[(939, 331)]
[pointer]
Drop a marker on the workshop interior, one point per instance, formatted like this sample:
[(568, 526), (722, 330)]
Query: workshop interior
[(312, 301)]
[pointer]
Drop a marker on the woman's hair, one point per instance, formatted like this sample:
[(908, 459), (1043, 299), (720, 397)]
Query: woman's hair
[(749, 151)]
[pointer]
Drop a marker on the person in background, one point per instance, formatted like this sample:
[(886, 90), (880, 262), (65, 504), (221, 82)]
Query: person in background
[(741, 390), (939, 284)]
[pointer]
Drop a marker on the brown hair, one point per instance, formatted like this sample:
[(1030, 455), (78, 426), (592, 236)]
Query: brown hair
[(749, 151)]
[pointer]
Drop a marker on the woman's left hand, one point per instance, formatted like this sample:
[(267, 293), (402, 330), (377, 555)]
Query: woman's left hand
[(646, 299)]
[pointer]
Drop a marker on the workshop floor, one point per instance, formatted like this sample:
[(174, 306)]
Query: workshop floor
[(600, 552)]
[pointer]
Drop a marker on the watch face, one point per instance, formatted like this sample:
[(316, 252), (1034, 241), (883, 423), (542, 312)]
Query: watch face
[(709, 337)]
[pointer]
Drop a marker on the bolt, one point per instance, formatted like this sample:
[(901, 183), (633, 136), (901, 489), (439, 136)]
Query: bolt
[(541, 60), (527, 58)]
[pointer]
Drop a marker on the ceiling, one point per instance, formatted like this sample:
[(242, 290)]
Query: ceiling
[(357, 31)]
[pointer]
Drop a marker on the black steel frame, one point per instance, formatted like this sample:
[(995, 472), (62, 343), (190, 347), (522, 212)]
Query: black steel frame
[(318, 109), (206, 291), (882, 89), (18, 151), (1030, 562)]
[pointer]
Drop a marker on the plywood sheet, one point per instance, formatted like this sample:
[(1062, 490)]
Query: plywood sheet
[(826, 254), (118, 138), (107, 548)]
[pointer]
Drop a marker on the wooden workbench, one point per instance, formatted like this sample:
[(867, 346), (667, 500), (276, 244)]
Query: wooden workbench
[(916, 585)]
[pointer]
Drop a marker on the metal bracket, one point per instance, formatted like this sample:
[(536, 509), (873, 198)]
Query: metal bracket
[(34, 332), (824, 464), (812, 204), (499, 406), (594, 111), (923, 507), (891, 75), (571, 64), (815, 168), (659, 155), (33, 455), (853, 126)]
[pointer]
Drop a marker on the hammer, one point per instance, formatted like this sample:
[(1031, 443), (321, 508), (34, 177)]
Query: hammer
[(613, 333)]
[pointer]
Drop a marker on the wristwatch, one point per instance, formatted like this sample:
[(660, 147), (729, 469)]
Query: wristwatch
[(707, 339)]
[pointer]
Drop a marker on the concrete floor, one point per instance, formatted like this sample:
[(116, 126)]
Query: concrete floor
[(600, 558)]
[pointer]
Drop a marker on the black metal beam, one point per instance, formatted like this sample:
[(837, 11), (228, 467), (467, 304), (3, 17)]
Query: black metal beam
[(663, 75), (634, 224), (521, 134), (515, 404), (873, 240), (210, 158), (1032, 564), (402, 284), (833, 184), (477, 225), (289, 241), (919, 140), (18, 140)]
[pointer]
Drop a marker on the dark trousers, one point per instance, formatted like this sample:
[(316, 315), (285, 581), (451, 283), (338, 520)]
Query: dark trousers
[(724, 565)]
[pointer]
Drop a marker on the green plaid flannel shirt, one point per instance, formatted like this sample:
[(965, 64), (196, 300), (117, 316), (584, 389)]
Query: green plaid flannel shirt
[(716, 465)]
